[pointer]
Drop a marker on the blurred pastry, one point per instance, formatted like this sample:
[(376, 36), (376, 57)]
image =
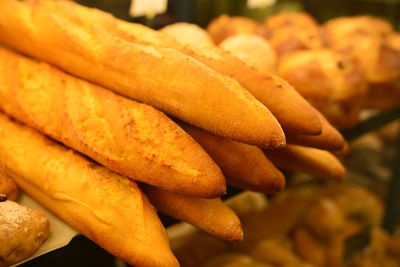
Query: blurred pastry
[(224, 26), (288, 32), (308, 247), (383, 96), (234, 259), (332, 82), (22, 232), (365, 38), (253, 50), (192, 34)]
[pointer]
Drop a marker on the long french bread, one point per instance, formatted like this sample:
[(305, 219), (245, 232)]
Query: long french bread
[(329, 139), (210, 215), (130, 138), (308, 160), (244, 166), (162, 77), (108, 208), (293, 112)]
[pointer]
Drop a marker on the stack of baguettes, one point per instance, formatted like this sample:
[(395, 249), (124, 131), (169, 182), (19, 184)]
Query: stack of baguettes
[(227, 114)]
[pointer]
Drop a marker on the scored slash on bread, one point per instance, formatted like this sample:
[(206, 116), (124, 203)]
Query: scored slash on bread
[(162, 77), (210, 215), (108, 208), (128, 137)]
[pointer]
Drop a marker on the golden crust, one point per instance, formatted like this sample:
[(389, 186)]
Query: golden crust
[(128, 137), (330, 138), (210, 215), (309, 160), (103, 205), (170, 80), (244, 166), (285, 103)]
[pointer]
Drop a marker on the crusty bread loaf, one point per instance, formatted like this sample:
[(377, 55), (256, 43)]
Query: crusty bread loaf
[(210, 215), (162, 77), (291, 110), (329, 139), (108, 208), (128, 137), (309, 160), (244, 166), (288, 106)]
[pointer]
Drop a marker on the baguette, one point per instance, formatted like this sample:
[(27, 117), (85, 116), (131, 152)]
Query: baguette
[(210, 215), (308, 160), (104, 206), (244, 166), (329, 139), (130, 138), (162, 77), (293, 112)]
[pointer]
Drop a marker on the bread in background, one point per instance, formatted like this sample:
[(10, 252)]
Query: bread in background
[(330, 81), (224, 26), (192, 34), (365, 38), (253, 50), (23, 231), (292, 31)]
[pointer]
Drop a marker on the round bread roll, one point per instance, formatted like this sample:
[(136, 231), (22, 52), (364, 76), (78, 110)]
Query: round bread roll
[(366, 39), (253, 50), (345, 29), (194, 35), (225, 26), (288, 32), (22, 232), (298, 20), (330, 81), (7, 186)]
